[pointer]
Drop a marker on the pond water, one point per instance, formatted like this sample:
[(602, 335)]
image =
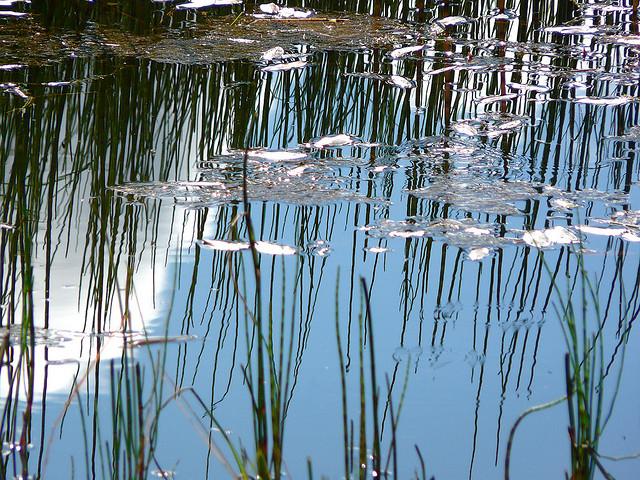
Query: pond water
[(466, 172)]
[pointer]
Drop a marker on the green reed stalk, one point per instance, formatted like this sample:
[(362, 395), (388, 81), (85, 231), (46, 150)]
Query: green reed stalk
[(362, 457), (584, 366), (374, 385), (343, 381), (260, 417)]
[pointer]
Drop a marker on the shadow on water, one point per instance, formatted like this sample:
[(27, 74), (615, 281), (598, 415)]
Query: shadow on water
[(465, 173)]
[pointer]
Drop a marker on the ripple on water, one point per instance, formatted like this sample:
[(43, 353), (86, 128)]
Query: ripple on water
[(466, 233), (43, 336), (273, 176), (319, 248), (490, 125), (474, 194)]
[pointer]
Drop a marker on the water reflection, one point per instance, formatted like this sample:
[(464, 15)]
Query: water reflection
[(123, 173)]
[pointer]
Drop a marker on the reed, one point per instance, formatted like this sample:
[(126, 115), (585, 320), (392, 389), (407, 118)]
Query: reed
[(369, 445), (590, 395)]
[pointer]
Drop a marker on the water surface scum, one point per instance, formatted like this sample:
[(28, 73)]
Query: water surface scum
[(341, 239)]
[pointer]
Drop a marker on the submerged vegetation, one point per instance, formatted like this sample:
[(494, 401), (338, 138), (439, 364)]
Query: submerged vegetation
[(330, 239)]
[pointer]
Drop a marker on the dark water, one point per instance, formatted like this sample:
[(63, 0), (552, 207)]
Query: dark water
[(480, 181)]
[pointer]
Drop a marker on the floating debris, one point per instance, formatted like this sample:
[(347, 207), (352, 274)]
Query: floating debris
[(478, 253), (465, 128), (404, 354), (221, 182), (603, 231), (631, 135), (10, 13), (627, 218), (297, 171), (195, 4), (393, 80), (466, 233), (605, 101), (43, 336), (400, 82), (496, 98), (472, 193), (478, 231), (630, 40), (383, 168), (572, 84), (13, 89), (225, 245), (294, 13), (404, 51), (503, 14), (563, 204), (574, 30), (377, 250), (329, 141), (443, 148), (274, 249), (57, 84), (608, 198), (523, 87), (242, 40), (489, 125), (12, 66), (630, 237), (443, 70), (271, 10), (167, 474), (281, 67), (452, 21), (277, 155), (367, 75), (623, 224), (549, 237), (267, 248), (570, 200), (536, 238), (407, 232), (509, 125), (273, 53), (319, 248)]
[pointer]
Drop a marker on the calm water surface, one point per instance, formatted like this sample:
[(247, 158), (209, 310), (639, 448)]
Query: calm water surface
[(475, 182)]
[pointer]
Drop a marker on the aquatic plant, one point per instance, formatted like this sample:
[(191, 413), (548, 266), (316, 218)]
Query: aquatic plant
[(369, 446), (586, 370), (590, 394)]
